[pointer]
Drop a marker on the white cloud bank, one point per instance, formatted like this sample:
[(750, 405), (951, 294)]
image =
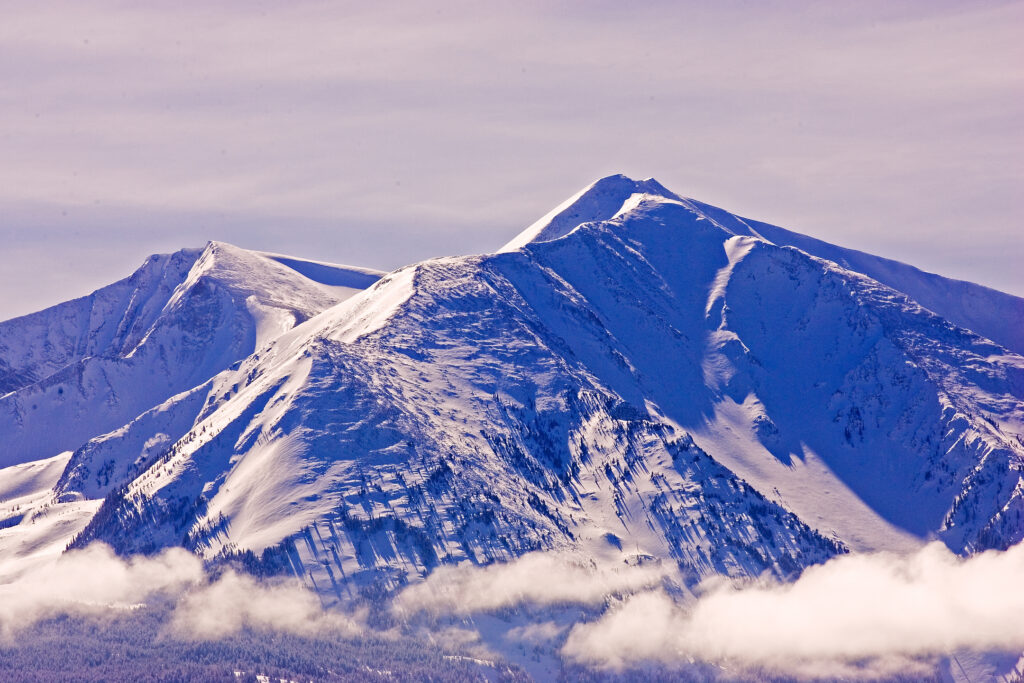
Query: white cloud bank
[(536, 578), (237, 601), (882, 609), (95, 581), (92, 581), (867, 614)]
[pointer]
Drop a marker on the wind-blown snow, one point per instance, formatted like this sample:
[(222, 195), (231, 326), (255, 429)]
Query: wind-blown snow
[(329, 274)]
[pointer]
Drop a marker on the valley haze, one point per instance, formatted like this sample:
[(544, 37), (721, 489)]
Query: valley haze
[(645, 438)]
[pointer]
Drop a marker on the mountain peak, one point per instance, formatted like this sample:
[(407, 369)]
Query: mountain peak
[(599, 201), (1000, 318)]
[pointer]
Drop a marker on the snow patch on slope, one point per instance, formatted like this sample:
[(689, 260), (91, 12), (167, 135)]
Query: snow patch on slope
[(34, 526), (370, 310), (269, 494)]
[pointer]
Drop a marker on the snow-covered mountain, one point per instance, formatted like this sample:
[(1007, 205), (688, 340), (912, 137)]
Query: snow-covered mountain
[(92, 365), (637, 375)]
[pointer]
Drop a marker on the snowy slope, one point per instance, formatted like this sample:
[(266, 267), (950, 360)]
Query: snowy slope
[(779, 338), (113, 320), (649, 382), (101, 363), (637, 376), (109, 321), (992, 314), (447, 428), (599, 201)]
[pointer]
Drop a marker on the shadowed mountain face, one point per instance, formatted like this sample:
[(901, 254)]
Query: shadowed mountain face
[(637, 375)]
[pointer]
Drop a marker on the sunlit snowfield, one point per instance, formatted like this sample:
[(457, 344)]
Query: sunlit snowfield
[(645, 438)]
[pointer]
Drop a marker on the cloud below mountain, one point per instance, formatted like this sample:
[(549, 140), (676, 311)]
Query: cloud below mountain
[(537, 578), (237, 601), (94, 581), (862, 614), (880, 611)]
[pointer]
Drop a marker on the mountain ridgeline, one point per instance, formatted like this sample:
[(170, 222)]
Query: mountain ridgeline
[(637, 376)]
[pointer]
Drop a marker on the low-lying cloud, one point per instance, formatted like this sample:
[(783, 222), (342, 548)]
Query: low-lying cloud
[(237, 601), (866, 614), (536, 578), (877, 608), (95, 581)]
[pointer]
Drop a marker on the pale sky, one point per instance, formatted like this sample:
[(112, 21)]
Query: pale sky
[(378, 134)]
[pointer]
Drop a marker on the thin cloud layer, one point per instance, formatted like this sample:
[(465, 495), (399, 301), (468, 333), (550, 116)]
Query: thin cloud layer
[(886, 609), (536, 578)]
